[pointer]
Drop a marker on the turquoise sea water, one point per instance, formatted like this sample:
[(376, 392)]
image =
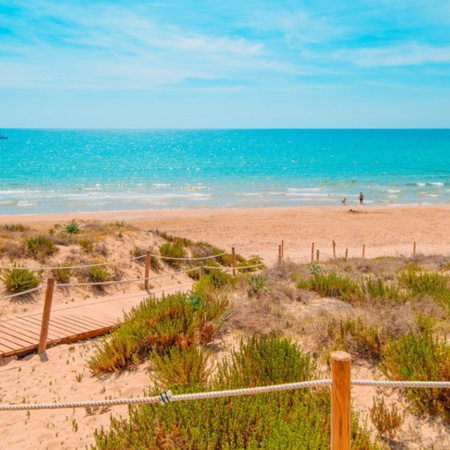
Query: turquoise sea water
[(46, 171)]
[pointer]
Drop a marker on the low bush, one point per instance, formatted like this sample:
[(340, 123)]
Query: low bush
[(99, 274), (297, 419), (15, 227), (40, 247), (421, 357), (87, 245), (20, 279), (386, 420), (62, 275), (72, 227), (157, 325), (172, 250)]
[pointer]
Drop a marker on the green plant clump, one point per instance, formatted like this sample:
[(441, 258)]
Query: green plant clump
[(72, 227), (291, 419), (99, 274), (158, 325), (421, 357), (172, 250), (20, 279), (39, 247)]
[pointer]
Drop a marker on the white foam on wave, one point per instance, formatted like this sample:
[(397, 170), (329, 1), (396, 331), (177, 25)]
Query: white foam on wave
[(306, 194), (436, 183)]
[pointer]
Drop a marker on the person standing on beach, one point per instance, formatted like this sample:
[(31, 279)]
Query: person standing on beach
[(361, 198)]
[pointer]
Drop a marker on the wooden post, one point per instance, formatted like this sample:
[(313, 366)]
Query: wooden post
[(334, 249), (233, 260), (312, 252), (202, 270), (148, 258), (346, 254), (340, 400), (46, 315), (282, 249), (364, 251), (280, 254), (414, 248), (317, 255)]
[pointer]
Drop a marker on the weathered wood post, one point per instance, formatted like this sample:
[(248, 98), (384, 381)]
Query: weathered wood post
[(346, 254), (233, 260), (46, 315), (414, 248), (282, 248), (202, 270), (312, 252), (334, 249), (280, 254), (340, 400), (317, 255), (364, 251), (148, 258)]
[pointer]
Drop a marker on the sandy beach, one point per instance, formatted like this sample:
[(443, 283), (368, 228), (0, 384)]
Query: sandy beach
[(383, 230), (65, 376)]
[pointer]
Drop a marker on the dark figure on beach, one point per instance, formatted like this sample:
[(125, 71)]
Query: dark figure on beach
[(361, 198), (344, 200)]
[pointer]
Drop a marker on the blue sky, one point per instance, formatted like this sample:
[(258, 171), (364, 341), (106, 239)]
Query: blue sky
[(224, 64)]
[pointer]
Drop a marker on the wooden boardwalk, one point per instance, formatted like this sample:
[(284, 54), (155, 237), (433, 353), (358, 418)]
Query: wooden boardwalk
[(20, 335)]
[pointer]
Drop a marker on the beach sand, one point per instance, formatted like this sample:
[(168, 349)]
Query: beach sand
[(65, 377)]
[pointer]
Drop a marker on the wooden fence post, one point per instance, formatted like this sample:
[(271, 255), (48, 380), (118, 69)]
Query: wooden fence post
[(312, 252), (317, 255), (282, 248), (46, 315), (340, 400), (364, 251), (334, 249), (202, 270), (280, 254), (148, 258), (346, 254), (233, 260), (414, 248)]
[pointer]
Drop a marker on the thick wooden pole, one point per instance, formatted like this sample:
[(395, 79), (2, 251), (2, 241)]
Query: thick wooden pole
[(202, 270), (340, 401), (280, 254), (346, 254), (282, 248), (317, 255), (312, 252), (233, 260), (364, 251), (334, 249), (46, 315), (148, 258), (414, 248)]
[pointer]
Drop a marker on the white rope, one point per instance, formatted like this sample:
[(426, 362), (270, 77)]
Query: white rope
[(84, 266), (403, 384), (104, 283), (168, 397), (24, 292)]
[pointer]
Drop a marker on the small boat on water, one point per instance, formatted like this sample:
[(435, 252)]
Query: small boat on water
[(2, 136)]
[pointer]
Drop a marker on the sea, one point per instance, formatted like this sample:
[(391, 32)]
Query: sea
[(73, 170)]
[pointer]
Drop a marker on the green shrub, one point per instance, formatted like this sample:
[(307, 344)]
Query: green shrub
[(99, 274), (72, 227), (257, 283), (386, 420), (421, 357), (377, 288), (62, 275), (15, 227), (20, 279), (181, 366), (39, 247), (332, 285), (157, 325), (172, 250), (297, 419)]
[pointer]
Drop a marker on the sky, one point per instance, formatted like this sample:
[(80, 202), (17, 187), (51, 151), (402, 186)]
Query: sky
[(224, 64)]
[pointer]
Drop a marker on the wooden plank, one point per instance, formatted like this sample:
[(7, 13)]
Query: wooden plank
[(55, 330), (16, 340), (16, 335), (19, 330), (68, 324), (24, 323)]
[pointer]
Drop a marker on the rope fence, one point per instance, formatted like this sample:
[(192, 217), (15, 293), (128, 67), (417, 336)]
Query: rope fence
[(340, 383)]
